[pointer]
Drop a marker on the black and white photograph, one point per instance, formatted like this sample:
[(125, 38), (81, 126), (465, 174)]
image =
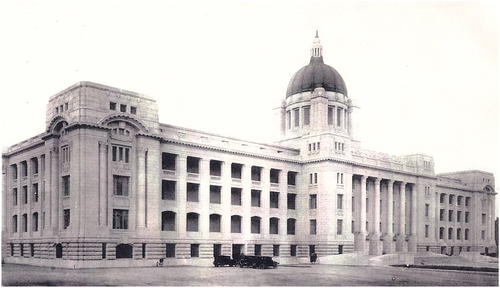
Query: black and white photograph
[(249, 143)]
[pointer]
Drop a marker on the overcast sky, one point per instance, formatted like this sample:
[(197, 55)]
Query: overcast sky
[(425, 74)]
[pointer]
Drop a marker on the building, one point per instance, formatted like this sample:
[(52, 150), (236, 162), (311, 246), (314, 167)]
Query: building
[(108, 185)]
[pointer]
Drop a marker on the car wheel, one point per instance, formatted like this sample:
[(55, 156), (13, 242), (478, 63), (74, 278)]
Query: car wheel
[(262, 266), (275, 265)]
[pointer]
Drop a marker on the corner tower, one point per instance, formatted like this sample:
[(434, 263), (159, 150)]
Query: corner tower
[(317, 107)]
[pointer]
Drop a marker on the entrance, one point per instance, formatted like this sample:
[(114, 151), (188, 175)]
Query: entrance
[(237, 250), (217, 249), (123, 251), (341, 249), (59, 250)]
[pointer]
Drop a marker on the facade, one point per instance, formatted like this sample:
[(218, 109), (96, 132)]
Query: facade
[(108, 185)]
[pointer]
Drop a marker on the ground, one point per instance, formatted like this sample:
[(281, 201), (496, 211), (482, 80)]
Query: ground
[(306, 275)]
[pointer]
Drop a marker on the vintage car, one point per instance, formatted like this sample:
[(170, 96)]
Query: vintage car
[(223, 261), (247, 261), (264, 262)]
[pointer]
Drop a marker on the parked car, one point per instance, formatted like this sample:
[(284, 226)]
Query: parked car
[(247, 261), (223, 261), (264, 262)]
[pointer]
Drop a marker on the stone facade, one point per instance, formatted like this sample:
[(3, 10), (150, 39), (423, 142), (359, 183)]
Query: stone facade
[(108, 185)]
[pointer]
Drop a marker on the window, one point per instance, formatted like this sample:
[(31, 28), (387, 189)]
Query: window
[(123, 108), (121, 154), (467, 201), (312, 201), (307, 115), (235, 224), (427, 210), (120, 219), (34, 164), (330, 115), (192, 192), (441, 198), (255, 225), (255, 173), (452, 197), (466, 217), (459, 233), (67, 218), (426, 231), (450, 233), (215, 196), (291, 178), (66, 185), (340, 178), (25, 222), (215, 222), (289, 119), (14, 171), (466, 235), (290, 201), (236, 196), (195, 250), (65, 154), (14, 196), (315, 178), (459, 214), (296, 117), (120, 185), (112, 106), (34, 224), (312, 227), (450, 215), (293, 250), (257, 249), (255, 198), (193, 165), (483, 218), (143, 250), (274, 176), (167, 221), (25, 194), (133, 110), (168, 190), (276, 250), (340, 200), (168, 161), (290, 226), (24, 169), (274, 199), (459, 200), (170, 250), (192, 222), (35, 192), (483, 234), (339, 110), (339, 226), (103, 251), (274, 225), (236, 170), (441, 214), (14, 223), (441, 232), (215, 168)]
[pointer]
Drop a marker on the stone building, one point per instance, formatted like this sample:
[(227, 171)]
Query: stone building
[(106, 184)]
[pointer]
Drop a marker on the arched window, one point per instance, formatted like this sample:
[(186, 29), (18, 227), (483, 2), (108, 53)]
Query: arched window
[(236, 224), (215, 222), (274, 225), (255, 225), (192, 222), (167, 221), (290, 226), (123, 251)]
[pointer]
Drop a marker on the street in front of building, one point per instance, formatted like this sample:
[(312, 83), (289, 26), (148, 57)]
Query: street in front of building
[(314, 275)]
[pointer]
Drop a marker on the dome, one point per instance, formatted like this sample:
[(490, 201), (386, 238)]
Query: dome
[(316, 74)]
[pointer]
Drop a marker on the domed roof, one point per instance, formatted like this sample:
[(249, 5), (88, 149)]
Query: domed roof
[(316, 74)]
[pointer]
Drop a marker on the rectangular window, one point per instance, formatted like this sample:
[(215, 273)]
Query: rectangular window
[(467, 201), (483, 218), (103, 252), (293, 250), (112, 106), (120, 219), (214, 223), (25, 194), (441, 198), (450, 215), (313, 201), (483, 233), (451, 199), (255, 173), (193, 165), (426, 231), (34, 164), (168, 161), (339, 226), (339, 117), (291, 177), (466, 217), (133, 110), (215, 196), (312, 227), (192, 192), (296, 117), (291, 201), (66, 185), (195, 250), (255, 225), (14, 223), (168, 190), (274, 225), (236, 196), (34, 225), (121, 154), (315, 178), (276, 250), (307, 115), (459, 200), (255, 198), (25, 223), (274, 199), (67, 218), (257, 249), (441, 214), (427, 210), (215, 168), (120, 185), (14, 196), (35, 192), (65, 154), (340, 200), (330, 115), (236, 170), (123, 108), (170, 250), (274, 176), (143, 250), (459, 216), (289, 119), (290, 226)]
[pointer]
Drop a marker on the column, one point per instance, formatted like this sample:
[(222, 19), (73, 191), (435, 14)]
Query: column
[(375, 227), (401, 239), (54, 189), (246, 180), (490, 220), (360, 231), (180, 198), (388, 243), (103, 184), (141, 187), (265, 200), (226, 200), (412, 244), (204, 198)]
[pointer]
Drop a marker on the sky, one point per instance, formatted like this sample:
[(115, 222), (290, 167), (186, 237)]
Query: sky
[(425, 74)]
